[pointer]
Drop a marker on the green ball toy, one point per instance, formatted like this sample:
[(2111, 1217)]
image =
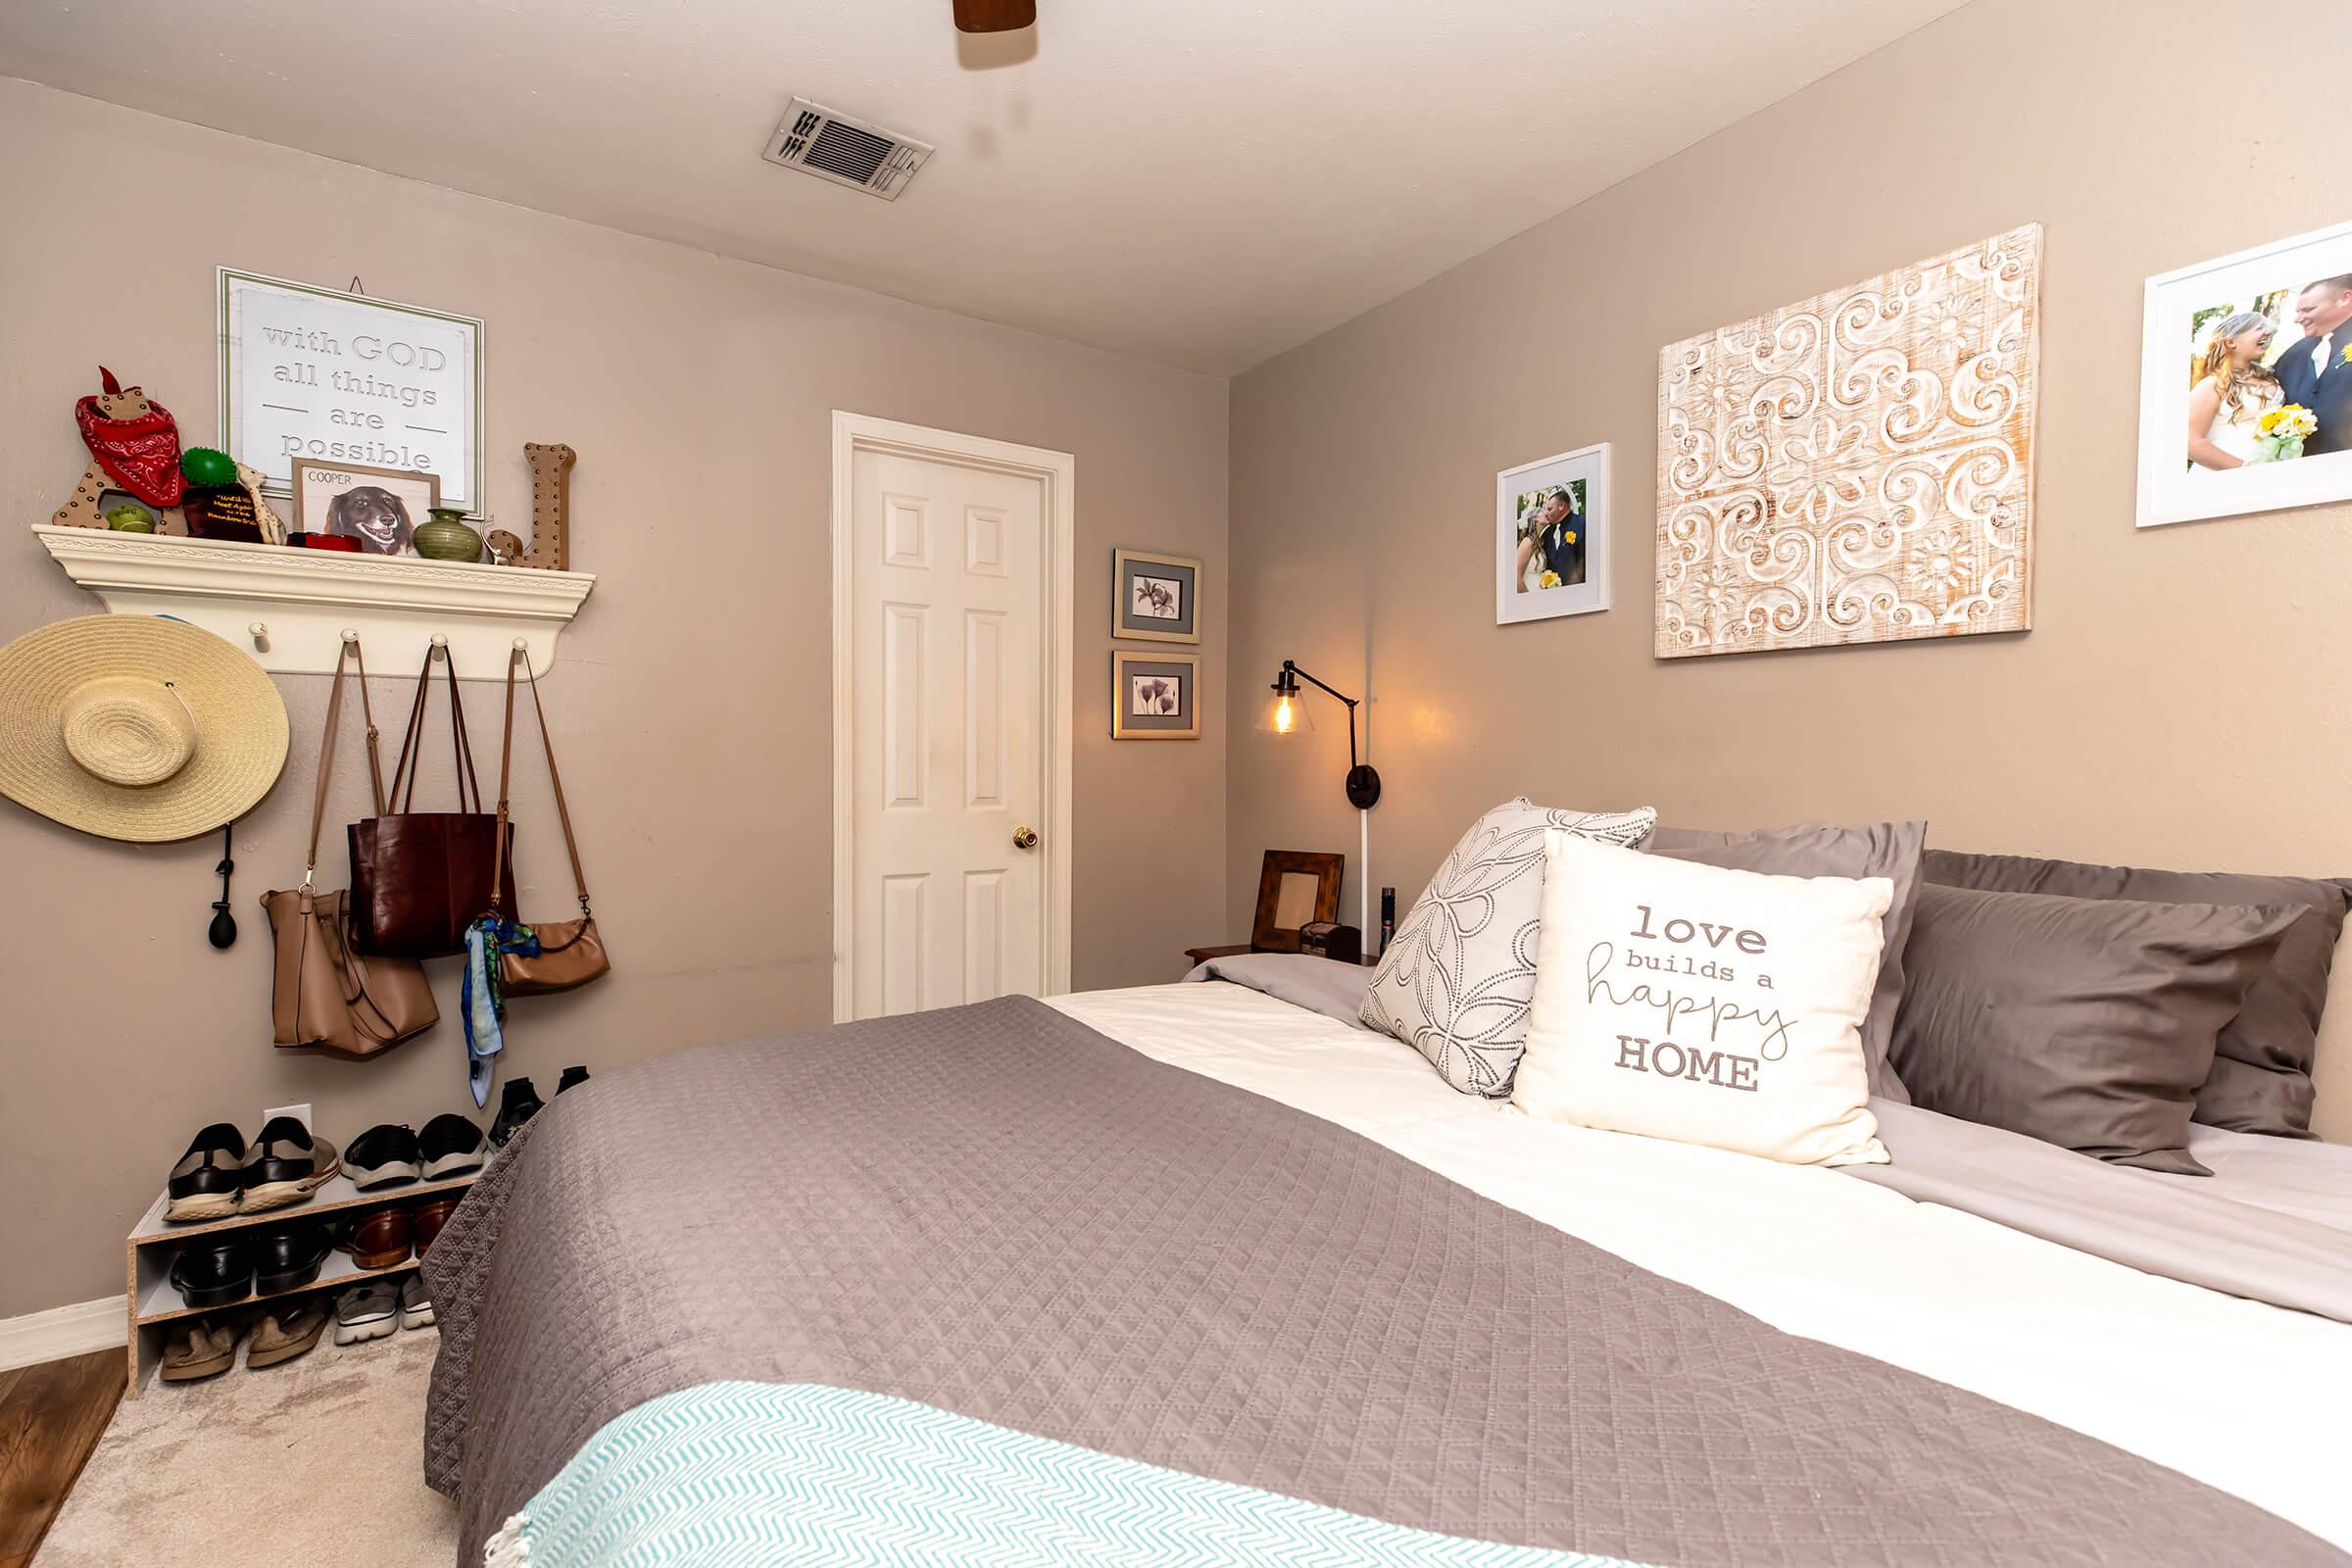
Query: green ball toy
[(208, 466)]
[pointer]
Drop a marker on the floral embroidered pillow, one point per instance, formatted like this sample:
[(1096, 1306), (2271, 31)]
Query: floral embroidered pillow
[(1456, 981)]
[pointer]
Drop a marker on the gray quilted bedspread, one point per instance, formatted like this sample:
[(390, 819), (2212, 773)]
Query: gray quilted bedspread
[(998, 1212)]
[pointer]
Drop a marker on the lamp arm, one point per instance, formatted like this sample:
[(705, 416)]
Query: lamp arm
[(1363, 782), (1312, 681), (1336, 692)]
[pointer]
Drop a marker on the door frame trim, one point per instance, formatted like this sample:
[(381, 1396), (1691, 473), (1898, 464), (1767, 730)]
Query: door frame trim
[(1056, 473)]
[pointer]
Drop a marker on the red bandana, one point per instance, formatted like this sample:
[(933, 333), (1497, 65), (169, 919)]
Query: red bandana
[(141, 454)]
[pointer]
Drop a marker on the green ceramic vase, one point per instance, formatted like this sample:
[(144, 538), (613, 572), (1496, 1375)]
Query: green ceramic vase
[(447, 537)]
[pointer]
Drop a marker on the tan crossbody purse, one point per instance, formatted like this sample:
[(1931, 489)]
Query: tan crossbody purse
[(571, 953), (324, 993)]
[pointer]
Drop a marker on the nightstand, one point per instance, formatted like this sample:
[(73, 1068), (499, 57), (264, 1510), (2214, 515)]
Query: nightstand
[(1201, 955)]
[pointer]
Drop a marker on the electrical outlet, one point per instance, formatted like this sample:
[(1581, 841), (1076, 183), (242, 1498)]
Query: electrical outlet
[(301, 1113)]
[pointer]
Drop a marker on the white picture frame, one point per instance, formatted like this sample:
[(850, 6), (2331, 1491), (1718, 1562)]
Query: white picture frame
[(332, 376), (1519, 494), (2179, 309)]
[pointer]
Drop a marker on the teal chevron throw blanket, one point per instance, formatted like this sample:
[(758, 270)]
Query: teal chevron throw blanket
[(764, 1473)]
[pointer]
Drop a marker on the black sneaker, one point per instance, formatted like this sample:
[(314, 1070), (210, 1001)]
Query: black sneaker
[(209, 1182), (520, 1104), (571, 1076), (381, 1156), (450, 1145)]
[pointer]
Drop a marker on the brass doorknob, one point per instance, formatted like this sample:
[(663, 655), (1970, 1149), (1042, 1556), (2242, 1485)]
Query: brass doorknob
[(1024, 838)]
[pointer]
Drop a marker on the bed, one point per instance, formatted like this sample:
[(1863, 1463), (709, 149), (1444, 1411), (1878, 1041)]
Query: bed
[(1195, 1273)]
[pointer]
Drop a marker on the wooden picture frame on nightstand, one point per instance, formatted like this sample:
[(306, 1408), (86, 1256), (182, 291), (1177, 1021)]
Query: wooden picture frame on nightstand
[(1294, 887)]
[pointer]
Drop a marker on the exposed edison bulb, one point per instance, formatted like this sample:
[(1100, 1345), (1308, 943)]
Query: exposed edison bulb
[(1284, 716)]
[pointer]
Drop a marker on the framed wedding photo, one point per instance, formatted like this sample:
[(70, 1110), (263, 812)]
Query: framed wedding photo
[(2245, 382), (1154, 599), (1154, 697), (1551, 537)]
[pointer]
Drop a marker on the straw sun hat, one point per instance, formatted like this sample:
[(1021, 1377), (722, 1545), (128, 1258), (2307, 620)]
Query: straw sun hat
[(137, 727)]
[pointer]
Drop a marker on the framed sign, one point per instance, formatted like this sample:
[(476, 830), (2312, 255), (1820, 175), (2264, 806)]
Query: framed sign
[(317, 373)]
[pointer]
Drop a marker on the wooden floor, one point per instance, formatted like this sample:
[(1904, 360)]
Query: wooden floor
[(50, 1419)]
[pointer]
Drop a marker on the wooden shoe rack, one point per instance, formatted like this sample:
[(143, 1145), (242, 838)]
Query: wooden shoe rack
[(154, 1305)]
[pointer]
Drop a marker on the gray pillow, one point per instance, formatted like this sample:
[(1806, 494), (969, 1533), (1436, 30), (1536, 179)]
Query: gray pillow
[(1891, 850), (2261, 1080), (1457, 976), (2084, 1022)]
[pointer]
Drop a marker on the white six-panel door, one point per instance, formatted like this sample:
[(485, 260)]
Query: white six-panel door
[(952, 824)]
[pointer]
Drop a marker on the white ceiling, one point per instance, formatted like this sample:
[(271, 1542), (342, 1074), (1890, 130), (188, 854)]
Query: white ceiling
[(1202, 183)]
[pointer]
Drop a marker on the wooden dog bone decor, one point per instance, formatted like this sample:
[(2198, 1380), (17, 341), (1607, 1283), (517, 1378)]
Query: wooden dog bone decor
[(551, 506)]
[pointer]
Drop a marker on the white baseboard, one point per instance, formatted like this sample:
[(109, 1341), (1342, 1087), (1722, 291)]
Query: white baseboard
[(62, 1331)]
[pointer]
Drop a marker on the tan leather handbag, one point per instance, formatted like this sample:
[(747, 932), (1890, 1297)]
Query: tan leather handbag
[(325, 993), (571, 953)]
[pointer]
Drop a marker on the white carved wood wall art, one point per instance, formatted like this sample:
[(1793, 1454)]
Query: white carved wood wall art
[(1858, 467)]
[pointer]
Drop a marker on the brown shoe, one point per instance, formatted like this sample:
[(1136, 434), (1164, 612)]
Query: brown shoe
[(377, 1239), (425, 1224), (202, 1348), (288, 1332)]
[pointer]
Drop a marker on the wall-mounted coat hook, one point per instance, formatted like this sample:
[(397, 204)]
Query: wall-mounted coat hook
[(260, 633)]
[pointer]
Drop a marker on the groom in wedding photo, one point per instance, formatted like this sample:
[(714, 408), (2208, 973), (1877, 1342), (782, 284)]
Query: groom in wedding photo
[(2316, 370)]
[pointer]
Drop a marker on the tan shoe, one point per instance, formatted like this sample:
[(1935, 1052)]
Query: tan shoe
[(288, 1332), (201, 1348)]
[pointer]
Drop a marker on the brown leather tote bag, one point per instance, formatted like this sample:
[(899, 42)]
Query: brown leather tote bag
[(324, 994), (571, 953), (419, 878)]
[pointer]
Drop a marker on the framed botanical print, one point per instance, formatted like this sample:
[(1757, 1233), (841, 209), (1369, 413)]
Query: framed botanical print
[(1154, 598), (1551, 537), (1154, 697)]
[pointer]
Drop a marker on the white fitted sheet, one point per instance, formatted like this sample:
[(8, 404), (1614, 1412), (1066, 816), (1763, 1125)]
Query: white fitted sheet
[(2253, 1399)]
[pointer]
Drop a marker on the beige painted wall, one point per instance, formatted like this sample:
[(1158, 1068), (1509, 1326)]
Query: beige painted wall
[(691, 698), (2182, 700)]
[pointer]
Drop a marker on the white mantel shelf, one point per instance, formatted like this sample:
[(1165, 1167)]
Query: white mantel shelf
[(302, 601)]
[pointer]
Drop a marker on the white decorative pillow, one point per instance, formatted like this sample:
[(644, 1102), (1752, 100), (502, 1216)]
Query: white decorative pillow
[(1455, 980), (1705, 1004)]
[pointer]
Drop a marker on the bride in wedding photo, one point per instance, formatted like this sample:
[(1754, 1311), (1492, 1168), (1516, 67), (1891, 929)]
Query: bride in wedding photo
[(2233, 390)]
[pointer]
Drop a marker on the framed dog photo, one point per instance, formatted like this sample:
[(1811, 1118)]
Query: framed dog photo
[(1154, 599), (2245, 382), (1551, 537), (1154, 697), (380, 508)]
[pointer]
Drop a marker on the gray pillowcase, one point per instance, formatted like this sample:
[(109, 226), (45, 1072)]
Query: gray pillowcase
[(1456, 979), (2087, 1023), (1891, 850), (2261, 1081)]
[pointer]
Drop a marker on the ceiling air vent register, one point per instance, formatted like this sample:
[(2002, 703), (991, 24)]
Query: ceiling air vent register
[(848, 152)]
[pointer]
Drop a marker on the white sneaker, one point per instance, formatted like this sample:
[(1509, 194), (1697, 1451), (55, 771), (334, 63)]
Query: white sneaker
[(367, 1311), (416, 1308)]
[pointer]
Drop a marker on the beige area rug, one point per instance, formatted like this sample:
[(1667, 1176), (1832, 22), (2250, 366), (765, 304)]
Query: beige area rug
[(318, 1460)]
